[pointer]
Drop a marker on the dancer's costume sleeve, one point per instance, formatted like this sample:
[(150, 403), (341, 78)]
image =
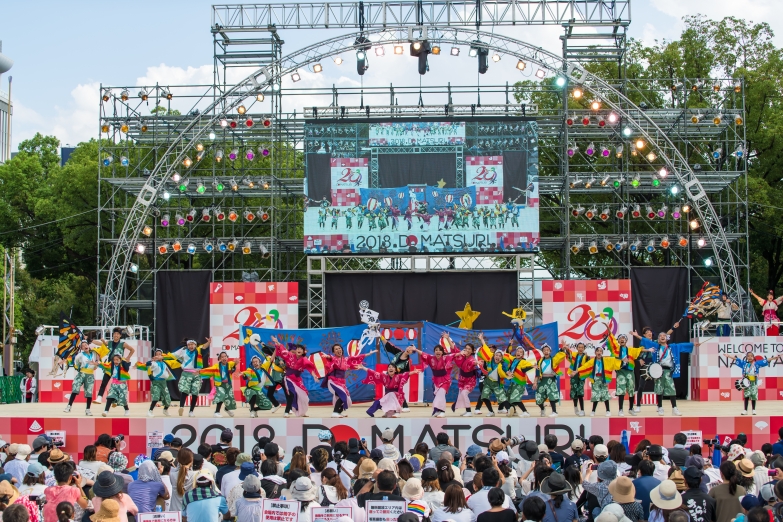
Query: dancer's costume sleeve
[(467, 371), (213, 372), (587, 370), (518, 371), (375, 377)]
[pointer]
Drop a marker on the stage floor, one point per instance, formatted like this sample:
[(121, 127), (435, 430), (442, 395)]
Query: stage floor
[(357, 411)]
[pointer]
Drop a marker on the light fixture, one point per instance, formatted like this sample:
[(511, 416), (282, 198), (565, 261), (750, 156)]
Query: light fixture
[(124, 95), (674, 190), (560, 82), (248, 181), (575, 182), (650, 212), (191, 215), (208, 246), (454, 51), (605, 181), (124, 161), (640, 144), (191, 248), (717, 119), (521, 65), (473, 52), (738, 120), (233, 184), (605, 151), (590, 182), (636, 181), (569, 120), (541, 74), (618, 182), (717, 153), (164, 221), (222, 246), (177, 246), (260, 97), (247, 247), (224, 122), (595, 105), (620, 245), (694, 224), (234, 154), (627, 131), (144, 95), (682, 241), (665, 242), (651, 156), (634, 247), (571, 150), (147, 230), (398, 49), (165, 93), (361, 54), (686, 208), (232, 215), (249, 122), (676, 212), (105, 127), (621, 212), (739, 153), (166, 195), (183, 185), (696, 118), (219, 214), (133, 268), (317, 68), (295, 76), (591, 212), (106, 95), (480, 51), (663, 172), (586, 120), (380, 51), (263, 215), (577, 92), (708, 262), (608, 245), (205, 215), (180, 220), (263, 150), (232, 245), (241, 109), (650, 246), (219, 155), (576, 211), (249, 215), (267, 122), (125, 127), (436, 49), (265, 184), (200, 188), (232, 123), (218, 185), (701, 242), (593, 248), (576, 247), (163, 249), (338, 60), (737, 86), (590, 150), (618, 152), (612, 118), (601, 121), (250, 155), (496, 58), (605, 213), (676, 86)]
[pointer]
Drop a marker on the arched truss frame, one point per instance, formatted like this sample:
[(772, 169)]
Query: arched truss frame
[(262, 81)]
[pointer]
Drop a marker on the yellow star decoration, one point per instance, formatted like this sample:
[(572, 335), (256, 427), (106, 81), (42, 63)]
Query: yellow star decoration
[(516, 313), (441, 183), (467, 317)]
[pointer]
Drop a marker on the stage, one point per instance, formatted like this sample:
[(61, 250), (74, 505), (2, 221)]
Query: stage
[(23, 422)]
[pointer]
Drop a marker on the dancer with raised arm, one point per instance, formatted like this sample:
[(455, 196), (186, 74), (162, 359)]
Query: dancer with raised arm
[(599, 371), (751, 367), (255, 379), (466, 382), (296, 363), (393, 393), (769, 308), (119, 373), (191, 357), (106, 353), (334, 381), (668, 357), (159, 372), (576, 358), (224, 389), (401, 359), (547, 372), (495, 373), (440, 364), (619, 349), (84, 363), (517, 375)]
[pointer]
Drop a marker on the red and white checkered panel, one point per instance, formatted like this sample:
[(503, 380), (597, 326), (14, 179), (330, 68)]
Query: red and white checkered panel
[(345, 198), (349, 173), (330, 243), (489, 195), (514, 238), (713, 377)]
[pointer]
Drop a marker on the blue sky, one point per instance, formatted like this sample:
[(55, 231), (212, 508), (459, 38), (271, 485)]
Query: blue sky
[(63, 52)]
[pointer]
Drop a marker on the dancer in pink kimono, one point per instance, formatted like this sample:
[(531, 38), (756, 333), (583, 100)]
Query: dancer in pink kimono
[(296, 363), (334, 381), (769, 307), (440, 364), (394, 395), (466, 362)]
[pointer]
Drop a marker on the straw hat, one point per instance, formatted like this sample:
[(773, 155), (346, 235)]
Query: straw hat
[(367, 468), (666, 496), (7, 490), (622, 490), (109, 512), (745, 466), (303, 490), (57, 455), (412, 489)]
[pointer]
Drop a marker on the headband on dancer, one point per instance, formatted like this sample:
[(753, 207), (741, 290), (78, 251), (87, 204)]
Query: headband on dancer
[(622, 336), (191, 341), (255, 357)]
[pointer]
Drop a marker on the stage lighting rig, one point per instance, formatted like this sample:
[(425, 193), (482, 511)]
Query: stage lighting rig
[(478, 50), (421, 49), (362, 45)]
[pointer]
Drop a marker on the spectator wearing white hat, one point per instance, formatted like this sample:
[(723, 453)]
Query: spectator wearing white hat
[(663, 500), (413, 492), (390, 451), (248, 507), (17, 467), (306, 493), (600, 454)]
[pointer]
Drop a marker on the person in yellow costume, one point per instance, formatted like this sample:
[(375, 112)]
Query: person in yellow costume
[(599, 371), (547, 372)]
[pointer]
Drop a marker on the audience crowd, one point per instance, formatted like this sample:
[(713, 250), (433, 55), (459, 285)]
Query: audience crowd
[(508, 481)]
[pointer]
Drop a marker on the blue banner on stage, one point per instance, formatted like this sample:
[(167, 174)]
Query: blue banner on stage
[(427, 337)]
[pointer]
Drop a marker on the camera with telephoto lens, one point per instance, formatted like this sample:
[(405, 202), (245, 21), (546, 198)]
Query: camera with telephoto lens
[(58, 443), (115, 441), (512, 441), (338, 457)]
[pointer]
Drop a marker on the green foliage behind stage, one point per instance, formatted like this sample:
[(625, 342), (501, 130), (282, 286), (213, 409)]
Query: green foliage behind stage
[(49, 213)]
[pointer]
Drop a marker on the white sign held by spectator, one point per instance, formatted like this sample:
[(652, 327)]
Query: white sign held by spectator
[(275, 510), (164, 516), (385, 510), (329, 514)]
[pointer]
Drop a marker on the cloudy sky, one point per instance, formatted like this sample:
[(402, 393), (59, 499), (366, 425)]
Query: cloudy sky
[(63, 54)]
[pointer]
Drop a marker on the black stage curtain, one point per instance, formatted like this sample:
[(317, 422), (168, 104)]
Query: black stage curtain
[(182, 312), (514, 173), (319, 176), (422, 297), (400, 170), (659, 296)]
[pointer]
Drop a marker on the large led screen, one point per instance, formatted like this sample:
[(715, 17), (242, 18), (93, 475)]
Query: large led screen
[(421, 186)]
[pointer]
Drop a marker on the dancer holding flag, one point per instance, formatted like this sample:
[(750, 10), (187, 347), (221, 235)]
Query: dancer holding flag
[(440, 364), (256, 378), (224, 390), (84, 363), (159, 371), (751, 367), (118, 371), (393, 393), (618, 347), (107, 352), (466, 382), (517, 374), (547, 372), (296, 363), (337, 366), (668, 356), (576, 358), (192, 359), (495, 371), (599, 370)]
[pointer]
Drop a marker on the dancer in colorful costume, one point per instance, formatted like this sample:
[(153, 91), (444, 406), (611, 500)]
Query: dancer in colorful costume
[(256, 378), (296, 363), (275, 367), (576, 358), (517, 375), (393, 393), (224, 390), (618, 348), (440, 364), (192, 360), (599, 371), (751, 367), (401, 359), (769, 308), (547, 372), (337, 366), (466, 382), (84, 363), (495, 372), (668, 356), (107, 352), (118, 371), (159, 371)]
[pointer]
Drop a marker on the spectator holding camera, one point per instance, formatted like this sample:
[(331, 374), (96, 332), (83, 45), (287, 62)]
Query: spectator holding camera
[(68, 489)]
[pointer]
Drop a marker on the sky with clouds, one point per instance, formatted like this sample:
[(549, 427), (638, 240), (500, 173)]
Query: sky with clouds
[(63, 53)]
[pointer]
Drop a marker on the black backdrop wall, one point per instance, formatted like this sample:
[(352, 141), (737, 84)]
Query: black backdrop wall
[(659, 295), (422, 297), (400, 170), (182, 311)]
